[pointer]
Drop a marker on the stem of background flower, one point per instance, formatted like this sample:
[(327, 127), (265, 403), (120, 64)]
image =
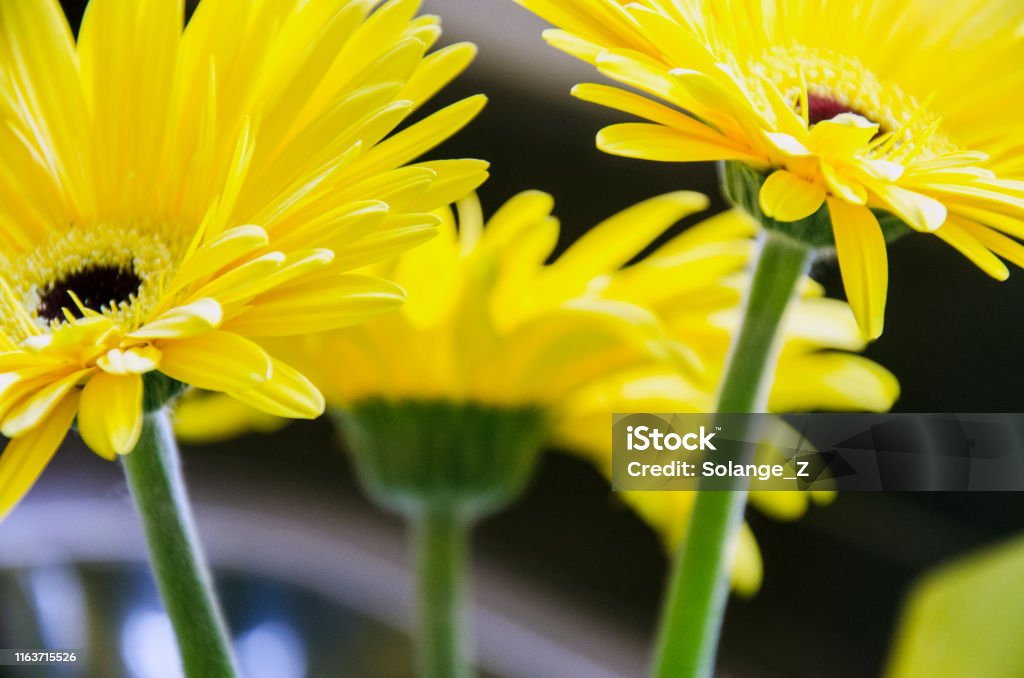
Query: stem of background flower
[(440, 548), (154, 475), (692, 618)]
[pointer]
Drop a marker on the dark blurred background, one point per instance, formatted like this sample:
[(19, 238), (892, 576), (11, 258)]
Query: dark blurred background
[(833, 580)]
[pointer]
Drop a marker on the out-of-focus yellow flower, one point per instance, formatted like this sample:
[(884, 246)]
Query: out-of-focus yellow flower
[(166, 192), (489, 322), (694, 284), (963, 618), (845, 109)]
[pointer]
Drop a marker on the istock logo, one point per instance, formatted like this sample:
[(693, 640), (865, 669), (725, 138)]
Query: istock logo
[(645, 438)]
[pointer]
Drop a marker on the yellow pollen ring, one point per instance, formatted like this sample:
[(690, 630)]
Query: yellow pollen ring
[(847, 83), (143, 252)]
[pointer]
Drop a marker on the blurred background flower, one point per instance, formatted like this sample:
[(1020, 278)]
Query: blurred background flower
[(963, 618), (487, 322)]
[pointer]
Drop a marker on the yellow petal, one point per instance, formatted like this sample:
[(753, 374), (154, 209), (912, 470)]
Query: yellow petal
[(657, 283), (551, 355), (16, 360), (127, 54), (968, 245), (666, 144), (523, 211), (721, 92), (787, 197), (841, 136), (602, 22), (332, 228), (612, 243), (212, 417), (437, 70), (36, 407), (863, 263), (747, 566), (286, 394), (15, 387), (832, 381), (787, 147), (229, 247), (433, 272), (572, 44), (402, 233), (455, 180), (235, 284), (990, 195), (844, 186), (724, 229), (1011, 250), (634, 104), (642, 107), (780, 504), (138, 360), (295, 266), (679, 43), (421, 137), (917, 210), (216, 361), (403, 186), (822, 323), (325, 303), (198, 317), (24, 458), (110, 413), (38, 59)]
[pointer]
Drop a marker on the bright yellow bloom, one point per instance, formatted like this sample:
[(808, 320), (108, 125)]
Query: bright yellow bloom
[(166, 192), (907, 107), (489, 322)]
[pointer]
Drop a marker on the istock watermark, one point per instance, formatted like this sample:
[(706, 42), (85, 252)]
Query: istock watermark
[(822, 451), (645, 437)]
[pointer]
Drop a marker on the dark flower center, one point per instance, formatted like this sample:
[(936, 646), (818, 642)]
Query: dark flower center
[(97, 288), (821, 108)]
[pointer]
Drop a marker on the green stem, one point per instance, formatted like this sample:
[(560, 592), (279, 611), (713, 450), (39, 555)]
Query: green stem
[(440, 546), (781, 264), (158, 488), (692, 617)]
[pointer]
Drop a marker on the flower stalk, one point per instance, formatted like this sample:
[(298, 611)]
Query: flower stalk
[(695, 605), (442, 466), (440, 547), (153, 470)]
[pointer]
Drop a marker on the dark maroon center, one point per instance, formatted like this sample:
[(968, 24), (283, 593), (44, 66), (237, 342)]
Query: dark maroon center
[(97, 287), (823, 108)]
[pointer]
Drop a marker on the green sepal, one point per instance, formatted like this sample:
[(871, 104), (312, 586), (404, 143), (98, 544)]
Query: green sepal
[(159, 390), (742, 188), (465, 459)]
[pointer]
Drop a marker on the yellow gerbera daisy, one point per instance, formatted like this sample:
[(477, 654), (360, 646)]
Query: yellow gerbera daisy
[(843, 111), (488, 322), (166, 192)]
